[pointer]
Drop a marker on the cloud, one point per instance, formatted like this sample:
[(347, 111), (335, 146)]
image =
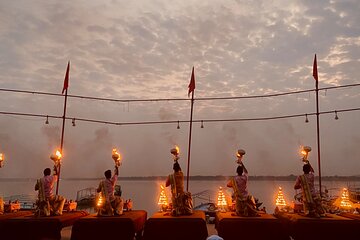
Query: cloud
[(146, 49)]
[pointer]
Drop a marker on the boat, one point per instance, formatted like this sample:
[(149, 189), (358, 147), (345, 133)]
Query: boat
[(207, 205), (26, 201), (86, 197), (354, 193)]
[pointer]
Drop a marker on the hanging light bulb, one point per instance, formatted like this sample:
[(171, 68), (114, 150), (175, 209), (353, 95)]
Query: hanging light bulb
[(178, 126), (306, 118), (47, 120), (73, 122), (202, 124), (336, 116)]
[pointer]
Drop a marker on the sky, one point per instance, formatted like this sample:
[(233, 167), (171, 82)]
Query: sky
[(146, 50)]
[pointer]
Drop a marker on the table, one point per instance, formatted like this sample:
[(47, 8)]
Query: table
[(266, 226), (31, 227), (126, 226), (351, 215), (14, 214), (329, 227), (163, 226)]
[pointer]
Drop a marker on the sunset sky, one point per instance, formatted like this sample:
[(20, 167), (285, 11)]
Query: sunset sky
[(145, 50)]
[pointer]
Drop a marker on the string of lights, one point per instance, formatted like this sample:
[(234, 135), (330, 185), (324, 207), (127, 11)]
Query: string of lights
[(181, 121), (178, 99)]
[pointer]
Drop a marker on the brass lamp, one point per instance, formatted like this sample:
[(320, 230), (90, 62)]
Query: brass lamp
[(116, 157), (2, 159), (175, 152)]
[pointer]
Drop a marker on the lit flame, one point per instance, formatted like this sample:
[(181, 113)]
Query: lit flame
[(175, 151), (1, 159), (56, 157), (238, 154), (345, 201), (280, 200), (221, 200), (115, 155), (305, 152), (100, 200), (163, 200), (58, 154)]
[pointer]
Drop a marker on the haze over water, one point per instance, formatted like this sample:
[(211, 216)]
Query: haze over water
[(145, 194)]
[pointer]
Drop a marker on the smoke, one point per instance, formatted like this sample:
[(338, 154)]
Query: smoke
[(170, 137), (52, 134), (165, 114)]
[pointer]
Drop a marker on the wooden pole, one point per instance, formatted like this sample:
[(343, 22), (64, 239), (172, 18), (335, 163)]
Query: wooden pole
[(189, 148), (62, 142), (318, 133)]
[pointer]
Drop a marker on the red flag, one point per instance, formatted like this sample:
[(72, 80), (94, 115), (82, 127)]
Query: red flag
[(315, 72), (66, 80), (192, 83)]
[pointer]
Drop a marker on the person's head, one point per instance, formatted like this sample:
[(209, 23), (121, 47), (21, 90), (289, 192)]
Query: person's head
[(239, 170), (107, 173), (306, 168), (176, 167), (47, 171)]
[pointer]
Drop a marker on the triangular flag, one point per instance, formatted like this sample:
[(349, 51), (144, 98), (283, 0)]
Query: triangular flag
[(315, 71), (66, 80), (192, 83)]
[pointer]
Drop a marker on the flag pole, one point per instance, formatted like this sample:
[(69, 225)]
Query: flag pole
[(191, 90), (315, 74), (318, 133), (66, 82), (189, 148)]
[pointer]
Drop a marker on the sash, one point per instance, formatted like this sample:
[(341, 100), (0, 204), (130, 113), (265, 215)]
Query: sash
[(41, 188), (173, 184), (306, 190), (236, 189), (104, 190)]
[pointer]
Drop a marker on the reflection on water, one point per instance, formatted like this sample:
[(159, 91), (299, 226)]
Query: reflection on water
[(144, 194)]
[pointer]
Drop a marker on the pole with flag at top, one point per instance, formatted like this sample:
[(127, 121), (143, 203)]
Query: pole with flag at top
[(315, 75), (191, 90), (65, 89)]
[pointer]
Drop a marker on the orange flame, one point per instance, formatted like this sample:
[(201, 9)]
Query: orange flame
[(58, 154), (221, 198), (163, 200), (115, 155), (177, 149), (100, 200), (345, 200), (1, 157), (280, 200)]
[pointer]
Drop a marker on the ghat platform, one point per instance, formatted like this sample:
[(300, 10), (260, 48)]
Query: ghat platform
[(126, 226), (329, 227), (266, 226), (14, 214), (31, 227), (163, 226)]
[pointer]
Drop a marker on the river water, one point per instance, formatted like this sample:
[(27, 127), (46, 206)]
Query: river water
[(145, 194)]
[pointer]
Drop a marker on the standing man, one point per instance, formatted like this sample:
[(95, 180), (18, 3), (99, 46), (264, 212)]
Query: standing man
[(181, 201), (47, 203), (311, 200), (244, 203), (113, 204)]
